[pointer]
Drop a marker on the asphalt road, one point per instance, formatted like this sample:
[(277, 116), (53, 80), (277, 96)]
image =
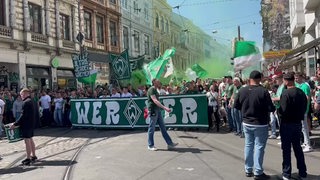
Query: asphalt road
[(83, 154)]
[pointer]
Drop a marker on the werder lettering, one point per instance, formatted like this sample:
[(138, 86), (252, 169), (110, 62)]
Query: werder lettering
[(96, 118), (112, 112), (128, 112), (169, 117), (82, 114), (189, 105)]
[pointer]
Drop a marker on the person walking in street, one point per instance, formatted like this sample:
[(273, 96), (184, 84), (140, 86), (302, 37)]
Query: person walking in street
[(154, 106), (293, 105), (255, 104), (304, 86), (26, 123)]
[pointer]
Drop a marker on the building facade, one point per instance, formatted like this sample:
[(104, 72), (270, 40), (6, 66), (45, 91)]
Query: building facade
[(37, 38), (137, 27), (304, 30), (161, 26), (100, 23)]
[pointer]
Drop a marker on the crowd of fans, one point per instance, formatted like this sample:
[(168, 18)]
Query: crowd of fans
[(55, 107)]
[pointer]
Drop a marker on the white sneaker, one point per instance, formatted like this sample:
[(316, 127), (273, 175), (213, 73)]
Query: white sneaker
[(152, 148), (279, 137), (173, 145), (272, 137), (285, 178), (307, 149), (303, 145)]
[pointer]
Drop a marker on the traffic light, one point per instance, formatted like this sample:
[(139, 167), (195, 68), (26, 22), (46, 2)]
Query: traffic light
[(232, 63)]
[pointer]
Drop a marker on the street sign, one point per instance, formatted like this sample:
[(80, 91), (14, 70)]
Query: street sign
[(275, 54)]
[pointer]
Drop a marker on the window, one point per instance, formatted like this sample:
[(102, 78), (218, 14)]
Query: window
[(167, 26), (135, 7), (157, 20), (87, 25), (162, 24), (64, 27), (99, 29), (35, 18), (113, 33), (113, 1), (125, 37), (146, 45), (136, 41), (2, 13), (146, 12), (124, 4)]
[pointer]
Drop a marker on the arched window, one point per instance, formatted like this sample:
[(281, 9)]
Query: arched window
[(162, 24), (167, 26), (157, 20)]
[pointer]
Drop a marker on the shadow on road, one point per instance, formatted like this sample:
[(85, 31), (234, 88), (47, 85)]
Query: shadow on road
[(41, 163), (17, 169), (186, 150)]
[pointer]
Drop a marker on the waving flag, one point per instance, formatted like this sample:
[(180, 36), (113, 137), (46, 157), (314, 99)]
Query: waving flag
[(246, 54), (157, 67)]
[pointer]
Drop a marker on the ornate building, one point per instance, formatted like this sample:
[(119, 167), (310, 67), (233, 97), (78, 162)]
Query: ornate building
[(137, 27), (37, 38), (161, 26), (100, 24)]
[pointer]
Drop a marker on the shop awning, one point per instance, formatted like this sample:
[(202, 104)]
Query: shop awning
[(293, 55)]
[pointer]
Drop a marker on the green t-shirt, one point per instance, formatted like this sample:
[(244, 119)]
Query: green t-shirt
[(236, 91), (229, 90), (278, 94), (306, 89), (152, 107)]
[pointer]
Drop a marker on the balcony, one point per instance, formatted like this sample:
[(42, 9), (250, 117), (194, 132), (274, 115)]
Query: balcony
[(311, 5), (5, 31), (68, 44), (102, 2), (39, 38)]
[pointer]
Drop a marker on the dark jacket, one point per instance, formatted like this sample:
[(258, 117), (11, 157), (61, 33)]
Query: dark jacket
[(293, 105), (255, 104), (27, 118)]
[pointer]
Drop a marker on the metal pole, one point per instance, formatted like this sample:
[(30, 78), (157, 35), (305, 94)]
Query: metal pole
[(239, 37)]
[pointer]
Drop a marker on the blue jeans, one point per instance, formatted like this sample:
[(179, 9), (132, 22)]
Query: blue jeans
[(230, 120), (290, 135), (237, 119), (305, 130), (255, 143), (58, 117), (273, 123), (157, 118)]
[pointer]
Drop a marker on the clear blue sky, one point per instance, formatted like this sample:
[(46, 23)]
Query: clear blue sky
[(224, 16)]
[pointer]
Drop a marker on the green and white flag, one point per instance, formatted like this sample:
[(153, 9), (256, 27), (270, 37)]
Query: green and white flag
[(91, 79), (157, 67), (120, 65), (245, 55), (196, 71)]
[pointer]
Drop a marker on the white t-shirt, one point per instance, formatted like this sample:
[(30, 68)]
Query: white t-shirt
[(116, 95), (58, 103), (45, 101), (212, 98), (2, 103), (126, 95)]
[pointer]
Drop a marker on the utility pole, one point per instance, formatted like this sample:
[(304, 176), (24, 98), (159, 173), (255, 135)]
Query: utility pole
[(239, 38)]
